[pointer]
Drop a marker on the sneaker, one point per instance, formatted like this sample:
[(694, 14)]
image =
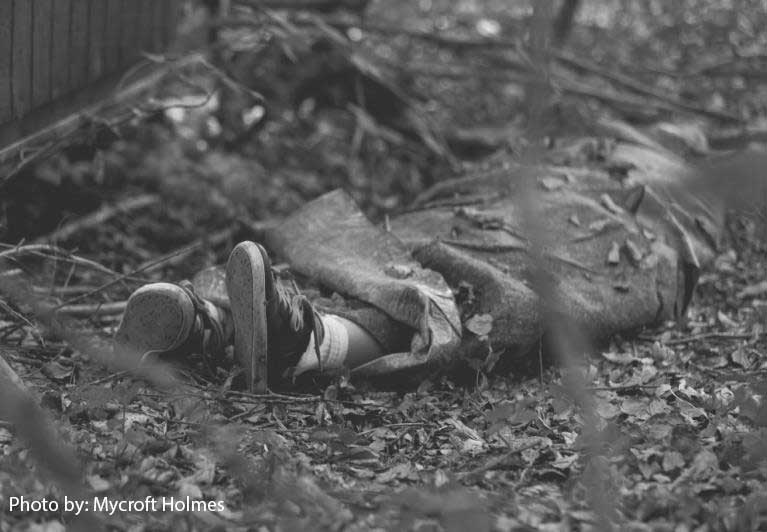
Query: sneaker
[(271, 329), (164, 318)]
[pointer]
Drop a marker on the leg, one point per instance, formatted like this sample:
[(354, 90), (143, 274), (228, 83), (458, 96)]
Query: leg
[(362, 346), (296, 336)]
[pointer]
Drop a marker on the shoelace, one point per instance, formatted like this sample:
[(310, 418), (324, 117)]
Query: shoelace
[(295, 308), (291, 307), (215, 340)]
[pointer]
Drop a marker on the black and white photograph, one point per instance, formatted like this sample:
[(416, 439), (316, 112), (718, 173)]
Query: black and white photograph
[(383, 265)]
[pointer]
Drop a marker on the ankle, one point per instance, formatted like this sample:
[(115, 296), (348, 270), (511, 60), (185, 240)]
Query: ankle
[(333, 340)]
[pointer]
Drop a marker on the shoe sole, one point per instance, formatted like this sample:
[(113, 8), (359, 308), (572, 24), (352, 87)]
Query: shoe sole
[(245, 284), (157, 319)]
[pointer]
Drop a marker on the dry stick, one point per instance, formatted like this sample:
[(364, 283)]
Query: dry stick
[(118, 280), (96, 309), (178, 256), (7, 308), (273, 397), (708, 336), (62, 290), (497, 462), (53, 252), (560, 83), (668, 102), (99, 217), (640, 88), (589, 92)]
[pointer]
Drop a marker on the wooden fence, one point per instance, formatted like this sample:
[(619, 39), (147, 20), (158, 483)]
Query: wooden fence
[(59, 55)]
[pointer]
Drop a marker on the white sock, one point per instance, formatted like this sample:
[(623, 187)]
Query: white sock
[(333, 349)]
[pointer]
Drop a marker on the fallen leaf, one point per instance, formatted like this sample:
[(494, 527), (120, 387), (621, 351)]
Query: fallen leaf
[(704, 463), (636, 408), (98, 484), (551, 183), (480, 324), (672, 461), (620, 358), (614, 254), (188, 489), (754, 290), (725, 320), (607, 410), (403, 471), (57, 372), (564, 462), (741, 358)]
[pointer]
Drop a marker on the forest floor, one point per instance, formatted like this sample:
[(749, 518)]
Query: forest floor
[(679, 441)]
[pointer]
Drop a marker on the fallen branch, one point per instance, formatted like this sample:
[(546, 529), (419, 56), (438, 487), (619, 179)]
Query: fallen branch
[(99, 217), (640, 88), (668, 102), (94, 309), (113, 282), (589, 92), (179, 255), (48, 251)]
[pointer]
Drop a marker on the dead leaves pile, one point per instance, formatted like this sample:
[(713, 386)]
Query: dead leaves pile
[(678, 438)]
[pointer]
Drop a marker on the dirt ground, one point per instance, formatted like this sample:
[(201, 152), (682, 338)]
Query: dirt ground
[(665, 429)]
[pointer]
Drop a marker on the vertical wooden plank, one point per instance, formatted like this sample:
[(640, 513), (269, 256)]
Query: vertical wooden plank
[(6, 23), (78, 44), (128, 52), (171, 21), (146, 23), (21, 58), (113, 28), (62, 10), (158, 25), (97, 44), (42, 11)]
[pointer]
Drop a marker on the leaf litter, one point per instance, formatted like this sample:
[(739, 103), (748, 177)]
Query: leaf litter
[(679, 439)]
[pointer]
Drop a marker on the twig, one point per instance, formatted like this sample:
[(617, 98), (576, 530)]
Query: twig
[(668, 102), (708, 336), (109, 377), (99, 217), (178, 256), (39, 250), (5, 307), (95, 309), (459, 201), (622, 387), (120, 278), (640, 88), (589, 92), (274, 397), (482, 246), (10, 378), (62, 290), (495, 463)]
